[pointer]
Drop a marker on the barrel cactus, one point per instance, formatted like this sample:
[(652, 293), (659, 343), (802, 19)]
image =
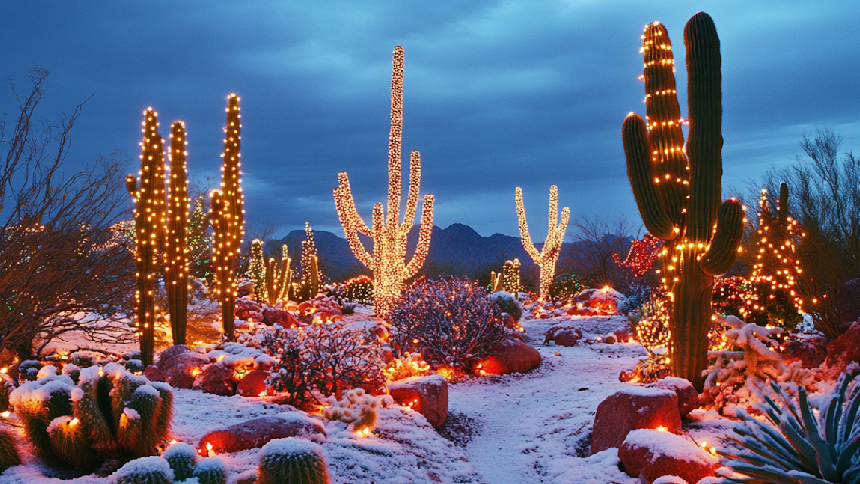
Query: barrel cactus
[(678, 190), (8, 451), (294, 461), (182, 458), (795, 446), (146, 470), (211, 470)]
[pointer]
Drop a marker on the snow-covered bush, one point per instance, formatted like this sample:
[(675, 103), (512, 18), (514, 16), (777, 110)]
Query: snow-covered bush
[(28, 369), (508, 304), (407, 367), (8, 451), (292, 460), (182, 458), (145, 470), (356, 408), (796, 445), (109, 414), (449, 320), (211, 470)]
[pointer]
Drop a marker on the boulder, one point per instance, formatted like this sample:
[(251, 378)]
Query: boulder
[(563, 335), (427, 395), (811, 352), (593, 302), (508, 320), (256, 433), (253, 384), (272, 316), (623, 336), (652, 454), (248, 310), (217, 379), (633, 408), (688, 397), (842, 351), (179, 366), (152, 373), (510, 355)]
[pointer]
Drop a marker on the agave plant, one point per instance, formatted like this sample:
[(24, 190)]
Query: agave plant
[(796, 446)]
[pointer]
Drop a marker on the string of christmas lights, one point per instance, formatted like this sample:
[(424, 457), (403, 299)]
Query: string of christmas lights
[(548, 256), (641, 256)]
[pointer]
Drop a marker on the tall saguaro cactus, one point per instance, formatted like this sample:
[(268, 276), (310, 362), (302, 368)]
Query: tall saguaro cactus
[(228, 218), (388, 261), (679, 200), (176, 258), (149, 227), (548, 255)]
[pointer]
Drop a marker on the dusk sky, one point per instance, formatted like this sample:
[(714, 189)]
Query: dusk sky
[(497, 94)]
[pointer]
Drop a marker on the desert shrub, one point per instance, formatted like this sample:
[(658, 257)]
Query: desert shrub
[(211, 470), (564, 287), (449, 320), (182, 458), (508, 304), (8, 451), (281, 459), (145, 470)]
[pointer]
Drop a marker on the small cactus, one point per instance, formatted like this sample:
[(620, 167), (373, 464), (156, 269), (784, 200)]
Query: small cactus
[(8, 451), (182, 458), (146, 470), (211, 470), (293, 461)]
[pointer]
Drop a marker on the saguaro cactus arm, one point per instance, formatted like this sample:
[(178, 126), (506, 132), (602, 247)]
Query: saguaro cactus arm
[(524, 228), (722, 250), (424, 233)]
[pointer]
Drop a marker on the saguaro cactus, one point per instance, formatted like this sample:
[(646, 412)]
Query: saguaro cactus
[(278, 281), (548, 256), (679, 200), (228, 218), (258, 269), (388, 261), (149, 228), (176, 258)]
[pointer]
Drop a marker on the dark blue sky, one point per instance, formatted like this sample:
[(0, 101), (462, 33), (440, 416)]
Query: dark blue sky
[(497, 94)]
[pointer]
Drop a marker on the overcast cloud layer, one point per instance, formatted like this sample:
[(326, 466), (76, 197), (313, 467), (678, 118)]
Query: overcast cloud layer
[(498, 94)]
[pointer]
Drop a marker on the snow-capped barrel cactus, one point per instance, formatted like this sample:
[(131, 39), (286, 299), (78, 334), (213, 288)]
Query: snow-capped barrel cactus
[(146, 470), (211, 470), (8, 451), (109, 414), (294, 461), (679, 199), (182, 458), (796, 446)]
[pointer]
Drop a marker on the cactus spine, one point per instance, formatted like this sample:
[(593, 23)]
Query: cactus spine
[(388, 262), (278, 282), (548, 256), (176, 258), (149, 227), (679, 200), (228, 218)]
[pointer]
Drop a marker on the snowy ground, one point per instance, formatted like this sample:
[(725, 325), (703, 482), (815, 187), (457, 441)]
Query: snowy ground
[(517, 429)]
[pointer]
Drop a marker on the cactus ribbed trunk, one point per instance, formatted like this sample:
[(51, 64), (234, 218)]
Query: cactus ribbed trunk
[(679, 200), (176, 258), (149, 229)]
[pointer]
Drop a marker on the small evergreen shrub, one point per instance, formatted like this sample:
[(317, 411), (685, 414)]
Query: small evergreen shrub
[(145, 470), (211, 470), (508, 304), (564, 287), (182, 458), (450, 321), (293, 461), (8, 451)]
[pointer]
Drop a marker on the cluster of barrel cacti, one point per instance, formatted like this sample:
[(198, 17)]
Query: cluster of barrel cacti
[(679, 200), (108, 414), (9, 455)]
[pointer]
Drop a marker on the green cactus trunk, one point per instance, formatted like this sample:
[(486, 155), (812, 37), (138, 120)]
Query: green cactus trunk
[(149, 229), (176, 273), (9, 455), (258, 270), (700, 235)]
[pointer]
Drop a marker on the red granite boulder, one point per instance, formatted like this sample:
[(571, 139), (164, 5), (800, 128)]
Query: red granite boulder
[(216, 379), (651, 454), (811, 352), (179, 366), (272, 316), (510, 355), (843, 351), (253, 384), (688, 397), (259, 431), (633, 408), (427, 395), (563, 335)]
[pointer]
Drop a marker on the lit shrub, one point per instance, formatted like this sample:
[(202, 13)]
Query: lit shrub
[(564, 287), (409, 366)]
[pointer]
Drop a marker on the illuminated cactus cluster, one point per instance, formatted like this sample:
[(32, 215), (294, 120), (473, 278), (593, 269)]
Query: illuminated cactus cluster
[(175, 254), (388, 261), (228, 218), (508, 280), (548, 256), (149, 227), (278, 279), (679, 200), (311, 275), (257, 269)]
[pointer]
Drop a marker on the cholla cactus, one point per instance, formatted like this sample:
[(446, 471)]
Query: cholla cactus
[(292, 460), (548, 255), (356, 408), (795, 446), (109, 414), (388, 262), (146, 470), (182, 458), (8, 451), (211, 470)]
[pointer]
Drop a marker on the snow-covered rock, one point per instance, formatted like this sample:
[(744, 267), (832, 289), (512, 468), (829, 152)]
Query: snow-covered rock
[(253, 384), (217, 379), (563, 335), (688, 397), (652, 454), (256, 433), (510, 355), (843, 351), (633, 408), (427, 395)]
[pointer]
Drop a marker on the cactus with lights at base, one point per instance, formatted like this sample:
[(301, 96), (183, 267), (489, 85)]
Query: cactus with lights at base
[(228, 218), (388, 262), (680, 201), (149, 216), (548, 255), (278, 280), (292, 460), (176, 258)]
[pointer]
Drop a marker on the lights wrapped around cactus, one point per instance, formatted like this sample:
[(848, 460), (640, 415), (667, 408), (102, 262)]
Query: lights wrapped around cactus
[(148, 229), (548, 256), (388, 261), (175, 254), (679, 200), (278, 280), (228, 218), (257, 269), (311, 275), (511, 277)]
